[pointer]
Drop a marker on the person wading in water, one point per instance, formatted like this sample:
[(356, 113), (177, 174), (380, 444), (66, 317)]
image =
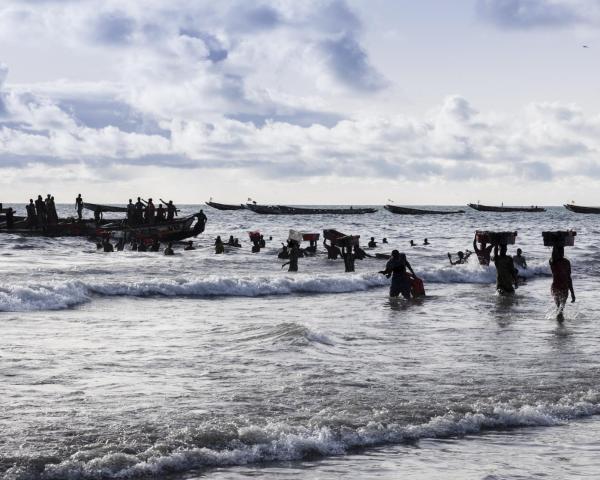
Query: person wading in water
[(562, 282), (396, 268)]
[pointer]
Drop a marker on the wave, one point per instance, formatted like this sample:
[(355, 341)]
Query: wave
[(283, 442), (66, 294)]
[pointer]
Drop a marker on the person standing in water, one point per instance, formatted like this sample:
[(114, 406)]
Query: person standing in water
[(506, 273), (562, 282), (519, 259), (294, 253), (483, 253), (349, 257), (397, 267)]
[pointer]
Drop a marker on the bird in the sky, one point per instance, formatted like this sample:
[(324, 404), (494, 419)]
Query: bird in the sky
[(585, 46)]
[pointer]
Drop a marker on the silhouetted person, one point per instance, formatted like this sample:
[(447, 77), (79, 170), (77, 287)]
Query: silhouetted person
[(150, 212), (426, 242), (139, 211), (284, 254), (10, 218), (131, 213), (412, 243), (171, 211), (384, 240), (189, 246), (219, 247), (142, 247), (79, 207), (333, 252), (506, 273), (261, 242), (31, 215), (397, 267), (155, 247), (562, 283), (40, 211), (108, 247), (169, 249), (160, 213), (231, 241), (134, 246), (348, 256), (294, 253), (120, 244), (372, 243)]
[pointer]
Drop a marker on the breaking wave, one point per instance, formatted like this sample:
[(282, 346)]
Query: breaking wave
[(283, 442), (68, 294), (62, 295)]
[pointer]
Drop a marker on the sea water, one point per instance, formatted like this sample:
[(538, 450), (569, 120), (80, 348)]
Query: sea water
[(138, 365)]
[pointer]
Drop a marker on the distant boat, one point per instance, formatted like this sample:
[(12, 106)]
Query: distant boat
[(418, 211), (284, 210), (488, 208), (580, 209), (225, 206)]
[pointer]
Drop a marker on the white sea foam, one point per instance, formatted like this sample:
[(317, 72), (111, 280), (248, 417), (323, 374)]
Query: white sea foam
[(61, 295), (66, 294), (281, 442)]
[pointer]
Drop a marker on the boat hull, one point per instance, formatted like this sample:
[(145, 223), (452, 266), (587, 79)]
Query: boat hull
[(418, 211), (285, 210), (225, 206), (489, 208), (580, 209)]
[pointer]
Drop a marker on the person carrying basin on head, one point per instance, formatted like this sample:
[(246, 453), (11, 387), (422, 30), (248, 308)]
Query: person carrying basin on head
[(397, 267), (506, 273)]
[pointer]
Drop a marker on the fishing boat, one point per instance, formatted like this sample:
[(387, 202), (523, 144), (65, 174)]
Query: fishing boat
[(225, 206), (285, 210), (488, 208), (168, 231), (64, 228), (579, 209), (419, 211)]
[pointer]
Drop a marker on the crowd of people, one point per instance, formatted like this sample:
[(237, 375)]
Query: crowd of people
[(41, 212), (145, 212)]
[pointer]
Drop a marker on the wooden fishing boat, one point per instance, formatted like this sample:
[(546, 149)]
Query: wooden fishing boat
[(580, 209), (489, 208), (225, 206), (64, 228), (172, 231), (285, 210), (419, 211)]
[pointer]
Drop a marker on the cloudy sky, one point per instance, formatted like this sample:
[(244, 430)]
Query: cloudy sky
[(312, 101)]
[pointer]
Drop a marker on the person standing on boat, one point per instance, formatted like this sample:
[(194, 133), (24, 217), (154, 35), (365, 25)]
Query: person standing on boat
[(171, 211), (150, 211), (506, 273), (562, 283), (31, 216), (483, 252), (40, 210), (53, 215), (79, 207), (130, 213), (396, 267), (160, 213), (139, 211)]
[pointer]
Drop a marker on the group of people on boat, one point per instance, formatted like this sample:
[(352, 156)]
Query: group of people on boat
[(42, 212), (145, 212)]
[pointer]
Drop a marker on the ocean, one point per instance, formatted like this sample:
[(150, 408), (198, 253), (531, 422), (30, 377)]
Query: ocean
[(138, 365)]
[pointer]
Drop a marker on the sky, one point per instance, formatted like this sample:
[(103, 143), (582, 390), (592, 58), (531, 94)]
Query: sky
[(301, 102)]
